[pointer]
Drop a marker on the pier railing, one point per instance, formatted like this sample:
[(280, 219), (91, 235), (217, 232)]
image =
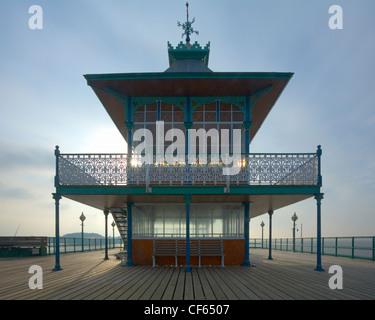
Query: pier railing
[(350, 247), (251, 169), (72, 245)]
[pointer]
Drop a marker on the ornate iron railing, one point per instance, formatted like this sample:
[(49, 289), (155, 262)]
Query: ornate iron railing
[(253, 169)]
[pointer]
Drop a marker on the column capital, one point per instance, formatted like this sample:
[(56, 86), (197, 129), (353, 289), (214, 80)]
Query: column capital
[(319, 196), (247, 125), (188, 124), (106, 212), (270, 212), (187, 198), (56, 196)]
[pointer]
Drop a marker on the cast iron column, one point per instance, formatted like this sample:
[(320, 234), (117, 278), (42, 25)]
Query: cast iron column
[(106, 234), (57, 198), (318, 197), (270, 213), (187, 199), (129, 262), (247, 234)]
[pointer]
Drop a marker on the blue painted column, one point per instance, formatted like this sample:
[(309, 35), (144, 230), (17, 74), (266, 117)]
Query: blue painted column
[(57, 198), (129, 262), (270, 213), (106, 212), (318, 197), (247, 234), (187, 199)]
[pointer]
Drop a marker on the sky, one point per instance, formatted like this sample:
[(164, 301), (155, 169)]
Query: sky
[(45, 101)]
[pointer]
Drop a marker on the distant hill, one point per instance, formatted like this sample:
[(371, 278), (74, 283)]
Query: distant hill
[(85, 235)]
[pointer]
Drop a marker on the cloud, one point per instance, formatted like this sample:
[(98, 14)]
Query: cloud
[(14, 193), (19, 157)]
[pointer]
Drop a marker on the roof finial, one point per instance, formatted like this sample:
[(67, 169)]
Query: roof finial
[(188, 30)]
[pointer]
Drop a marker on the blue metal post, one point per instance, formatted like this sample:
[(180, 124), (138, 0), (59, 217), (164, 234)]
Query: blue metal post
[(129, 262), (106, 212), (247, 234), (57, 198), (318, 198), (187, 199), (270, 213)]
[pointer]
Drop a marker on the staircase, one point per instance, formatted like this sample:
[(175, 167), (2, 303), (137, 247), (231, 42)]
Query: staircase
[(120, 218)]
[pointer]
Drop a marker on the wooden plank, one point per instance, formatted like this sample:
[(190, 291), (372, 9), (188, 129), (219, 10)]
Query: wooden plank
[(197, 286), (161, 288), (189, 291), (169, 291), (207, 291), (161, 272), (180, 286)]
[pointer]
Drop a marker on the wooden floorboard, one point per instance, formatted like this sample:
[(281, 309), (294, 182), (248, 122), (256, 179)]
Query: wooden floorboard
[(87, 276)]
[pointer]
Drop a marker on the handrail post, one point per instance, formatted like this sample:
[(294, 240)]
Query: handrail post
[(352, 247), (57, 155), (319, 154), (336, 243)]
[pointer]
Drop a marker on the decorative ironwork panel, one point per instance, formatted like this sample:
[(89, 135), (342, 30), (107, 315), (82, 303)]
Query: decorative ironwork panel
[(254, 169)]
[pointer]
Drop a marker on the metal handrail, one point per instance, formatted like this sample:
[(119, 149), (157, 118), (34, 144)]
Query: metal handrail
[(73, 245), (360, 247)]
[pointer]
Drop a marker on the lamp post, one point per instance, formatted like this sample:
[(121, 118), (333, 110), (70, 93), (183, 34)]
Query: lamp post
[(82, 218), (294, 218), (113, 228), (262, 225)]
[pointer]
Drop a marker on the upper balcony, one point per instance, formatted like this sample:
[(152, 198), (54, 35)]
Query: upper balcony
[(288, 169)]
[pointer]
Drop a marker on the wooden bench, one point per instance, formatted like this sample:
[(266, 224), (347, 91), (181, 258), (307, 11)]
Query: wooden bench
[(211, 249), (177, 248)]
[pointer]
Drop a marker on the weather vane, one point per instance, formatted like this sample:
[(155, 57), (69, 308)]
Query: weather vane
[(188, 30)]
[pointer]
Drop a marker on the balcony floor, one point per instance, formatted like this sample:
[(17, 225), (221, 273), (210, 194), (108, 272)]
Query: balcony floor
[(263, 198)]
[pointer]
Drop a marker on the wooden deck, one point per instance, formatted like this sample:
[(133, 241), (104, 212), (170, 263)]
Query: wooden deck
[(86, 276)]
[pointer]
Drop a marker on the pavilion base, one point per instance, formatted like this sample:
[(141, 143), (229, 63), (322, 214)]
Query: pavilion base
[(233, 248)]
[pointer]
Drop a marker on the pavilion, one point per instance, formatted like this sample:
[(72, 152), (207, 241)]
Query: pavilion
[(160, 200)]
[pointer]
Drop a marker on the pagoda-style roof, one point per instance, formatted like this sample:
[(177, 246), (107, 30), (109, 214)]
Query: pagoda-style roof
[(113, 90)]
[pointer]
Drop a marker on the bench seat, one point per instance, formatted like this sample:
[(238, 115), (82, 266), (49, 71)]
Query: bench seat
[(177, 248)]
